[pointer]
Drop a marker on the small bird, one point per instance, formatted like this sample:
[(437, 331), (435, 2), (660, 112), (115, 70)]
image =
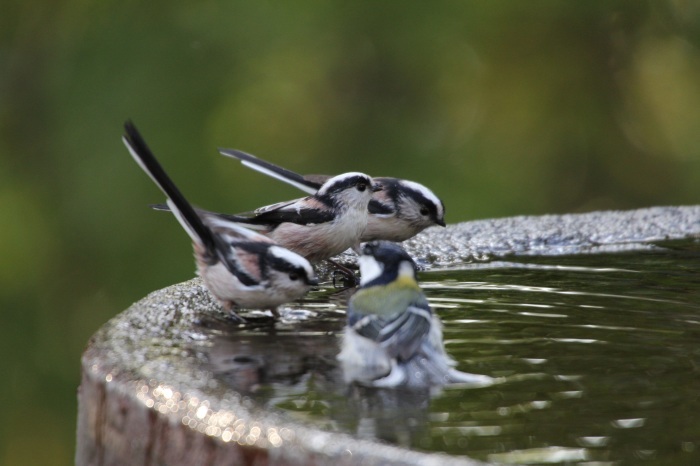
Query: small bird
[(240, 267), (317, 227), (401, 210), (392, 338)]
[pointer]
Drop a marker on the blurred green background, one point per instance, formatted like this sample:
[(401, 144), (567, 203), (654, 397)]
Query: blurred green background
[(502, 107)]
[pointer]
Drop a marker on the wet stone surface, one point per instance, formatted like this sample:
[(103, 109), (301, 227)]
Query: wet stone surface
[(594, 232), (163, 382)]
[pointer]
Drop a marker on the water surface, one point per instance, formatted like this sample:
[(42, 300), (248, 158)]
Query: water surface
[(598, 359)]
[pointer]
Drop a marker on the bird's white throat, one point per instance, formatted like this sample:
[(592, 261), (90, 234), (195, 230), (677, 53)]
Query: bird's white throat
[(369, 268)]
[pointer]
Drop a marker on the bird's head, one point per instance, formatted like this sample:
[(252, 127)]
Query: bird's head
[(384, 262)]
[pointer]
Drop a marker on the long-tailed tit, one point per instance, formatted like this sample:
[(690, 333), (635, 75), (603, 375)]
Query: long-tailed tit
[(240, 268), (401, 210), (317, 227), (392, 338)]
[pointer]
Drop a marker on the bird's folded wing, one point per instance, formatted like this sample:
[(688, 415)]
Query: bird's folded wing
[(241, 258), (301, 211), (265, 217), (401, 334)]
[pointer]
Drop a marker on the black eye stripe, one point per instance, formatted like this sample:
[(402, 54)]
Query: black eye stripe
[(422, 201), (347, 183)]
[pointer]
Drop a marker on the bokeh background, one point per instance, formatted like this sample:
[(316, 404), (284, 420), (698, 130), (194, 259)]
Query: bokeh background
[(502, 107)]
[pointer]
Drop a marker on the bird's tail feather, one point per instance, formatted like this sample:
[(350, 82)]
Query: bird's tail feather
[(183, 210), (272, 170), (240, 223)]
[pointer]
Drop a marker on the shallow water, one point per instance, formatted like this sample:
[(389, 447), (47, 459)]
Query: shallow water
[(598, 358)]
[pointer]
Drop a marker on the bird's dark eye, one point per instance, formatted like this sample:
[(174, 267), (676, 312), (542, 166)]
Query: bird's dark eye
[(361, 186), (424, 211), (293, 276)]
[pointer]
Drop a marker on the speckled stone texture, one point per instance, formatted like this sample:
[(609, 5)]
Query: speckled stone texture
[(594, 232), (147, 398)]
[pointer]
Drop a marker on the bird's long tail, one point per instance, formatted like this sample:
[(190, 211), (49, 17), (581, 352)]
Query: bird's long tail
[(183, 211), (272, 170), (243, 225)]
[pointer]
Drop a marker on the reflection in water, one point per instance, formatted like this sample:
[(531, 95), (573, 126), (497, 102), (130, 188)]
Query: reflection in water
[(596, 357), (396, 416), (251, 361)]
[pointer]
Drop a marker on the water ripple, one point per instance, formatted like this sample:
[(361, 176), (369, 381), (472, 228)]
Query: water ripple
[(595, 360)]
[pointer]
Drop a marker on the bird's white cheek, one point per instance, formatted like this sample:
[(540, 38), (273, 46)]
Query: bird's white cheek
[(369, 269), (285, 288), (359, 199)]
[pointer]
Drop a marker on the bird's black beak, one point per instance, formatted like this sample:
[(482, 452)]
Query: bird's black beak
[(312, 281), (441, 222)]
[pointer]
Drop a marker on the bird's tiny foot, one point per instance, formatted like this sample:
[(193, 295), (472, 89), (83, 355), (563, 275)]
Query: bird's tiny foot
[(233, 318), (347, 279)]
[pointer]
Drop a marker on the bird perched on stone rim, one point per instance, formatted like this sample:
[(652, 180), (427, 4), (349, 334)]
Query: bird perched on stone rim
[(240, 267), (318, 226), (392, 338), (401, 210)]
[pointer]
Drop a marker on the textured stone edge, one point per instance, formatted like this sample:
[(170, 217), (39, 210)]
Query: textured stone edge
[(117, 425), (117, 418), (592, 232)]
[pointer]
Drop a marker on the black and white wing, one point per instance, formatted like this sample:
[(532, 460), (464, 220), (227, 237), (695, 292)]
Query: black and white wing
[(267, 218), (401, 334), (305, 211)]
